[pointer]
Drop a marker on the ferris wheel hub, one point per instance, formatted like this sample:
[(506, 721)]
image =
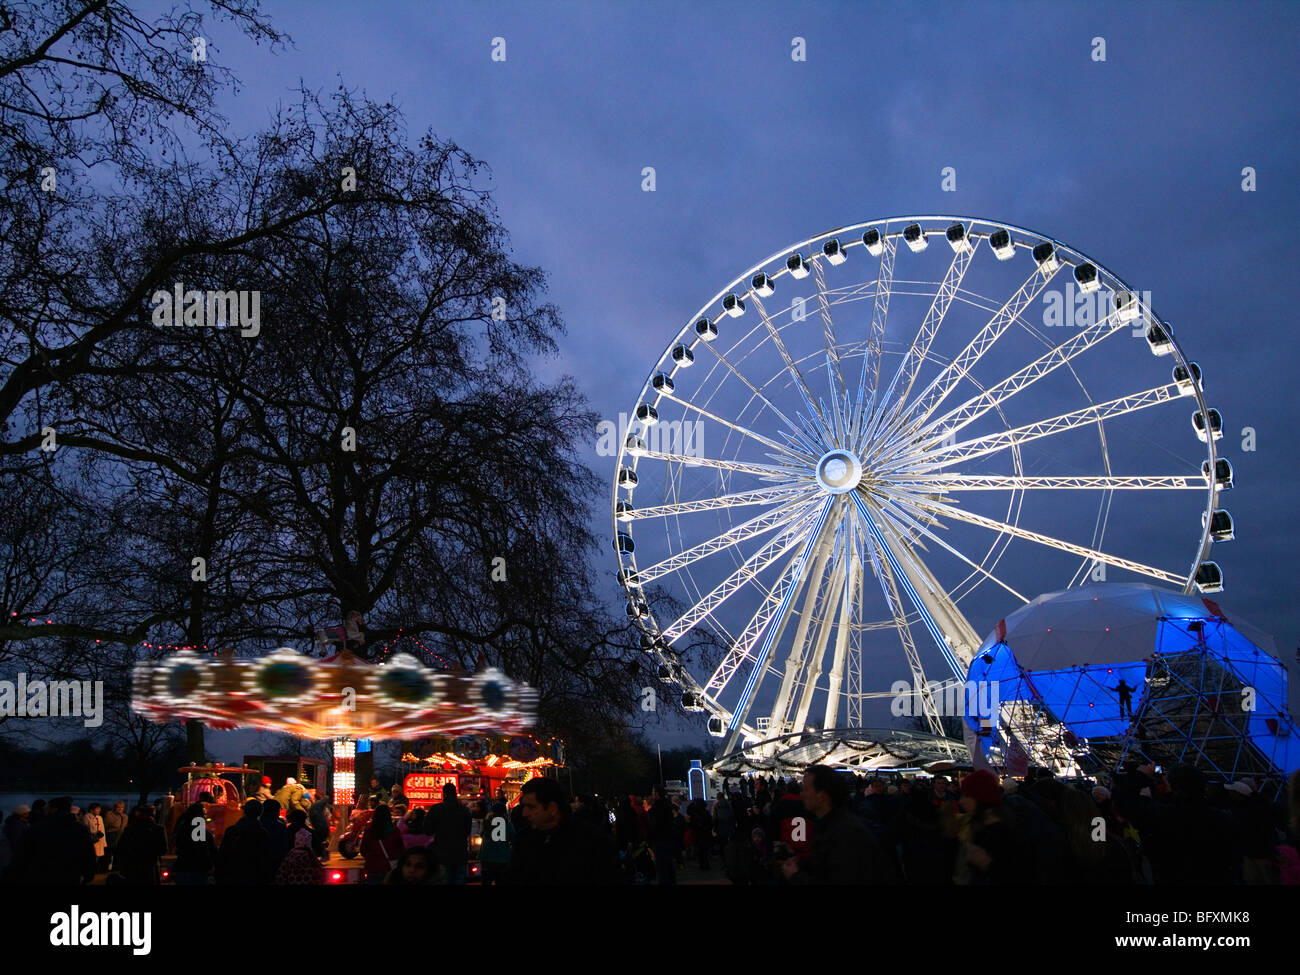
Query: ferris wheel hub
[(839, 472)]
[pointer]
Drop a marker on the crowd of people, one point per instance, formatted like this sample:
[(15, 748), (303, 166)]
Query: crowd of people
[(1143, 827)]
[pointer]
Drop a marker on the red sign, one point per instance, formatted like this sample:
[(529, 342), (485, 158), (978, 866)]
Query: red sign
[(422, 788)]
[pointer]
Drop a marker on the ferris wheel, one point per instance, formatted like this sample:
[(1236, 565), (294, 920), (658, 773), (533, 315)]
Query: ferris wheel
[(869, 447)]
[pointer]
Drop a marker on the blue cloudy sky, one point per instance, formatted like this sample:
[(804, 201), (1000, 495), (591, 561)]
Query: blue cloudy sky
[(1135, 160)]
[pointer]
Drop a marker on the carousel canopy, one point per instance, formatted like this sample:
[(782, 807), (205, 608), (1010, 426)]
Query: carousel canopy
[(339, 697)]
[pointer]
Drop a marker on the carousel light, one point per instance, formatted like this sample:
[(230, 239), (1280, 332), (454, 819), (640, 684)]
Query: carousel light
[(182, 679), (403, 684), (281, 678), (494, 694), (345, 775)]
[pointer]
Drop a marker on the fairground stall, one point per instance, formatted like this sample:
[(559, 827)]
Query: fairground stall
[(481, 767)]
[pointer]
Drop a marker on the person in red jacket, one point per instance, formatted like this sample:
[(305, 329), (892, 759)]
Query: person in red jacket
[(381, 845), (792, 824)]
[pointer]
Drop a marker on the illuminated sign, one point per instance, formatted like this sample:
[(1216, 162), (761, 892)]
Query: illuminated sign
[(422, 788)]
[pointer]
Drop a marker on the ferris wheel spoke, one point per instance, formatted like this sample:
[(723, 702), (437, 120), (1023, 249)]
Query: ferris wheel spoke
[(1031, 536), (712, 347), (973, 482), (758, 525), (834, 370), (742, 499), (812, 662), (1018, 436), (952, 633), (763, 655), (787, 585), (841, 663), (908, 521), (810, 401), (769, 553), (739, 467), (745, 431), (742, 647), (1022, 379), (920, 409), (904, 378), (876, 337)]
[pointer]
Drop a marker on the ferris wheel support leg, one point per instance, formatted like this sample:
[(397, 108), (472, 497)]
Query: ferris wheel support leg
[(765, 652), (852, 572), (795, 661), (814, 670)]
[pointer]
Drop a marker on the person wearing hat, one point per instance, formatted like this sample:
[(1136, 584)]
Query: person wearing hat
[(263, 789), (991, 850)]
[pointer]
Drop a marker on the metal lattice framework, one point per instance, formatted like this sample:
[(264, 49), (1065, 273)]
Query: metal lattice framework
[(827, 467)]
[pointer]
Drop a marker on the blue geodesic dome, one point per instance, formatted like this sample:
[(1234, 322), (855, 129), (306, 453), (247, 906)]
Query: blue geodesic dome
[(1206, 688)]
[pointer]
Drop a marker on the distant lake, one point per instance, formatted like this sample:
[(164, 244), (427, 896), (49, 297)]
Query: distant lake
[(9, 800)]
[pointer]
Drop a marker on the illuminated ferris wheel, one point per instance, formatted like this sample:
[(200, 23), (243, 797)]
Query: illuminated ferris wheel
[(871, 446)]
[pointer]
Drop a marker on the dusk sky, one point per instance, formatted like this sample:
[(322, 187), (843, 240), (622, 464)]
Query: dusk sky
[(1136, 161)]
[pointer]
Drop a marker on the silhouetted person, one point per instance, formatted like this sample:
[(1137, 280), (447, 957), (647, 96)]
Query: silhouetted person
[(661, 834), (245, 854), (277, 832), (318, 821), (141, 848), (1186, 840), (450, 824), (1125, 699), (58, 848), (196, 849)]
